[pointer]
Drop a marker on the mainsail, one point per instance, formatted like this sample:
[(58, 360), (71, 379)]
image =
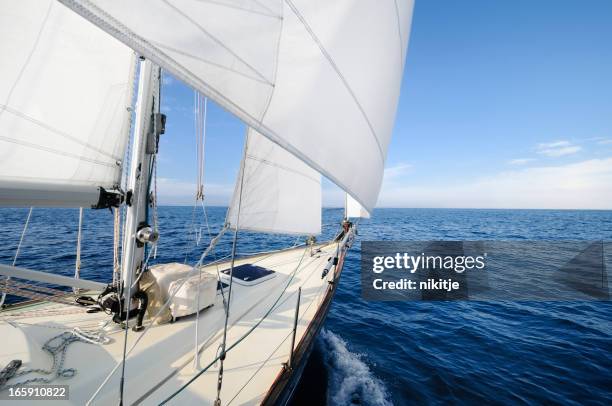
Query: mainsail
[(319, 78), (275, 192), (65, 95)]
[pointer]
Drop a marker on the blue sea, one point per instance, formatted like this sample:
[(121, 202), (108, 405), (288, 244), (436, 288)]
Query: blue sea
[(384, 353)]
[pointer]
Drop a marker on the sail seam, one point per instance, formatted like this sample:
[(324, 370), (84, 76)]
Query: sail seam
[(217, 41), (55, 131), (276, 230), (399, 32), (5, 182), (270, 163), (338, 72), (269, 14), (260, 4), (275, 74), (217, 65), (27, 61), (58, 152)]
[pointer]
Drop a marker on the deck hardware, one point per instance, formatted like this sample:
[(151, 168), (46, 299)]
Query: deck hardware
[(108, 198)]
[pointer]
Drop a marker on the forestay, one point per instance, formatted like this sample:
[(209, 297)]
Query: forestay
[(275, 192), (64, 99), (354, 209), (320, 78)]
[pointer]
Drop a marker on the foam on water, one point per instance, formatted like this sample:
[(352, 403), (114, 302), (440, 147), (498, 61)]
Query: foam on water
[(350, 379)]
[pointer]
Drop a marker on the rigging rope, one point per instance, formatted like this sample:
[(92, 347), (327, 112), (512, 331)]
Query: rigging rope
[(231, 283), (23, 233), (116, 238), (201, 103), (77, 264), (56, 347), (200, 129)]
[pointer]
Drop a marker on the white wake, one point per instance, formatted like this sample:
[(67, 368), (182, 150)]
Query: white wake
[(350, 379)]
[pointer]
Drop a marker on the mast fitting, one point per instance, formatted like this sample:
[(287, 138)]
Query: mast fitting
[(108, 199), (158, 127)]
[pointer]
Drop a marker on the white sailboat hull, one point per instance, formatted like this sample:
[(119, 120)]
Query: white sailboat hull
[(256, 369)]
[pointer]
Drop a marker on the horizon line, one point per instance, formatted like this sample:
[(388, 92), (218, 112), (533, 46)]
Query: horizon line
[(423, 208)]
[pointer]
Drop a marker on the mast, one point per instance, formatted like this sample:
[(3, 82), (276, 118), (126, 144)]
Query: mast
[(149, 125)]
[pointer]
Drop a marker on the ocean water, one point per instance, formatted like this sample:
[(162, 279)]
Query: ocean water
[(384, 353)]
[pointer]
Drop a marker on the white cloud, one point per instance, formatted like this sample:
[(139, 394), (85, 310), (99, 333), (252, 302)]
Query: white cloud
[(605, 141), (180, 192), (520, 161), (581, 185), (397, 171), (557, 148)]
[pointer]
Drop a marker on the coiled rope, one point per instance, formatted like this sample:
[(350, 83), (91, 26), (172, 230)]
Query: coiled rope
[(57, 348)]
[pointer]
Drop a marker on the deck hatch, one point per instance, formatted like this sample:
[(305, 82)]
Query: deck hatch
[(248, 274)]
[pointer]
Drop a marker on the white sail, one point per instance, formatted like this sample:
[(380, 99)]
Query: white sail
[(275, 192), (320, 78), (354, 209), (65, 91)]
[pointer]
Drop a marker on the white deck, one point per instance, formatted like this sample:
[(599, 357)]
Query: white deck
[(163, 360)]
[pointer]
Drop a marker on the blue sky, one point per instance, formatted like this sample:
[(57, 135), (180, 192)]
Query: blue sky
[(504, 104)]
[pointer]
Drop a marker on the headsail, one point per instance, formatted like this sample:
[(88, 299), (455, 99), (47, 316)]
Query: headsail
[(319, 78), (354, 209), (276, 192), (64, 99)]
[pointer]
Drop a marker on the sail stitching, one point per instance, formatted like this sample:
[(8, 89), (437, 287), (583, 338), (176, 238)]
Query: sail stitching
[(217, 41), (338, 72), (269, 13), (260, 4), (275, 73), (270, 163), (27, 61), (399, 32), (55, 131), (58, 152), (209, 62)]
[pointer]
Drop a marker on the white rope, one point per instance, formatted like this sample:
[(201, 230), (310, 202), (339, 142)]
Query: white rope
[(200, 142), (77, 264), (200, 109), (23, 233), (196, 360), (116, 239)]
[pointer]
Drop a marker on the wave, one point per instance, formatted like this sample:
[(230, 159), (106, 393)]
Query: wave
[(351, 382)]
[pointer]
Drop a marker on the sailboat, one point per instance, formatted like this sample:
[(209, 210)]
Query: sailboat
[(315, 82)]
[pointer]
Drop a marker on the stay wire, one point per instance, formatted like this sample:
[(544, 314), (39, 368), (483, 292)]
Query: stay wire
[(231, 277), (77, 263), (23, 233)]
